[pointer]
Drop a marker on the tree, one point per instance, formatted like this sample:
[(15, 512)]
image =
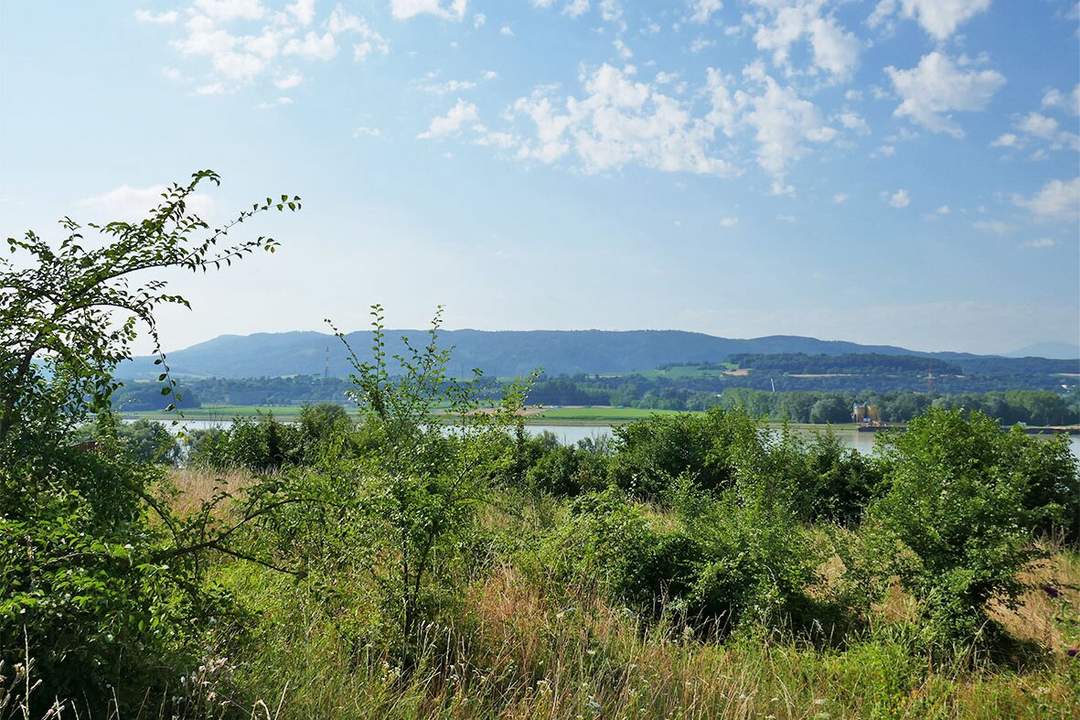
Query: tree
[(416, 497), (96, 590), (956, 522)]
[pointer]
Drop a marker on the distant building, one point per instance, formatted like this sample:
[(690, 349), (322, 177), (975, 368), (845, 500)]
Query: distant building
[(866, 414)]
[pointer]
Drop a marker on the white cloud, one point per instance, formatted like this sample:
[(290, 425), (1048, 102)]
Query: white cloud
[(1006, 140), (936, 87), (1039, 243), (702, 10), (1054, 98), (943, 210), (506, 31), (446, 9), (727, 222), (898, 199), (289, 81), (216, 88), (884, 151), (840, 198), (855, 122), (834, 50), (369, 41), (939, 18), (1057, 200), (1039, 125), (479, 19), (167, 17), (225, 10), (995, 227), (277, 102), (699, 43), (451, 123), (783, 122), (303, 11), (313, 46), (619, 121), (366, 132), (576, 8), (132, 203)]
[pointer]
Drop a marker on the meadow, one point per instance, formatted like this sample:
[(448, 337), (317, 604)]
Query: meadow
[(373, 565)]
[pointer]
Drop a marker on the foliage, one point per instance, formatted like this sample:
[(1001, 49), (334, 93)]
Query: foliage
[(415, 499), (96, 590), (651, 453), (957, 520)]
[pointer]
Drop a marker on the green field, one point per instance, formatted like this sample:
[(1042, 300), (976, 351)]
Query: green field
[(222, 412)]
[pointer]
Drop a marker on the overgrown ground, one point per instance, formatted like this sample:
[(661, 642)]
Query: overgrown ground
[(517, 646)]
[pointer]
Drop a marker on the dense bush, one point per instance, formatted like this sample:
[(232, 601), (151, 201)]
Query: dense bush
[(651, 453), (102, 584), (957, 520), (263, 444)]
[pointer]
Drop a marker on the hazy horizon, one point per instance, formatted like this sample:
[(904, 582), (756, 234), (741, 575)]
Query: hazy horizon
[(895, 173), (420, 329)]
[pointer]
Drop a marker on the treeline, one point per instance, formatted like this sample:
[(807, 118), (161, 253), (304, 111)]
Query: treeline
[(296, 390), (853, 363), (1032, 407)]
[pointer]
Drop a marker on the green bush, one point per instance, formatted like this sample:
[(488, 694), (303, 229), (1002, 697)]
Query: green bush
[(956, 522), (739, 557), (651, 453)]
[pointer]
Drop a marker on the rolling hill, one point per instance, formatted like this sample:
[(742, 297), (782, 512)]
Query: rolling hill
[(497, 353)]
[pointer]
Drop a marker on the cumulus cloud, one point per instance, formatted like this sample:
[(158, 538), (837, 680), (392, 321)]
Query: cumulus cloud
[(619, 121), (938, 86), (452, 122), (1054, 98), (840, 198), (899, 199), (446, 9), (240, 56), (313, 46), (702, 10), (834, 50), (167, 17), (783, 124), (939, 18), (225, 10), (1057, 200)]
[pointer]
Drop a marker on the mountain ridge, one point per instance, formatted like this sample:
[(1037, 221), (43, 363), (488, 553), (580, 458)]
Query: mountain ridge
[(500, 353)]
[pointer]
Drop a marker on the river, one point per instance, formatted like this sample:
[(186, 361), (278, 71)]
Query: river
[(570, 434)]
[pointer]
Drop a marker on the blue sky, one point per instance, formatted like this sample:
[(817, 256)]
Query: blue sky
[(897, 172)]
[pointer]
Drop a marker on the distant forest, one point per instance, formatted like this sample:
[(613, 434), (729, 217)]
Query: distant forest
[(1034, 391)]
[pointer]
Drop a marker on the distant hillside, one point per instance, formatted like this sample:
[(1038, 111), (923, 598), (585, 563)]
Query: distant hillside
[(501, 353), (1056, 350)]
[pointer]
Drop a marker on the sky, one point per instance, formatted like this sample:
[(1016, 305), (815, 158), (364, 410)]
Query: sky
[(896, 171)]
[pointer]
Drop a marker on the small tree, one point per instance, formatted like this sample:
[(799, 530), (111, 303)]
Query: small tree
[(420, 488), (98, 591), (955, 522)]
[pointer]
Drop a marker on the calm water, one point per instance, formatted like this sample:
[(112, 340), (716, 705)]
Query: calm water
[(570, 434)]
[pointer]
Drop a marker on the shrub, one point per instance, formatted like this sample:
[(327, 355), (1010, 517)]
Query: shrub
[(102, 594), (651, 453), (955, 521)]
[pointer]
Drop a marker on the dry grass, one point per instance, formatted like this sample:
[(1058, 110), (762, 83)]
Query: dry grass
[(1049, 612), (192, 487)]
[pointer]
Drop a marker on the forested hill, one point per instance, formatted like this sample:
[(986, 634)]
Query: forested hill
[(499, 353)]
